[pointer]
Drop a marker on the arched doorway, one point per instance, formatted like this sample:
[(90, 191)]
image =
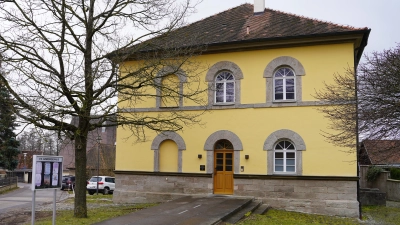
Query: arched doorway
[(223, 167)]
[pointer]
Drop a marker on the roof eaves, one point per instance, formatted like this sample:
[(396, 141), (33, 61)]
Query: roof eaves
[(358, 51)]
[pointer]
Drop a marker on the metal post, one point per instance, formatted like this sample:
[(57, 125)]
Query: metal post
[(54, 206), (33, 207), (98, 162), (24, 166)]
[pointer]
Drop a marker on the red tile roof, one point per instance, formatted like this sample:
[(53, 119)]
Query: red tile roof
[(241, 24), (382, 151)]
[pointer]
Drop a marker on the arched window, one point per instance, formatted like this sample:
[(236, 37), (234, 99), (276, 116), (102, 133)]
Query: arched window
[(285, 157), (284, 84), (283, 76), (224, 87), (224, 84)]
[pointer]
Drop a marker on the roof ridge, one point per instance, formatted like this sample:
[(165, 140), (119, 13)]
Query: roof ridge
[(225, 11), (317, 20)]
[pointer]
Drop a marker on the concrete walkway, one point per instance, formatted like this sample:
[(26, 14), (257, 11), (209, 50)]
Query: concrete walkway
[(22, 197), (182, 211)]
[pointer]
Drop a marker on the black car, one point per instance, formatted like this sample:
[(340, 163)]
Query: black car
[(68, 182)]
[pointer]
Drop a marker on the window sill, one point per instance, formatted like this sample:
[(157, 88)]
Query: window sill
[(168, 107), (284, 101), (224, 104), (284, 173)]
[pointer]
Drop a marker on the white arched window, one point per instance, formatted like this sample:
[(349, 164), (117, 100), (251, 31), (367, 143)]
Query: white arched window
[(284, 84), (285, 157), (224, 87)]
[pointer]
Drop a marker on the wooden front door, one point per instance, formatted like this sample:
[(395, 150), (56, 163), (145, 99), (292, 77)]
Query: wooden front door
[(223, 171)]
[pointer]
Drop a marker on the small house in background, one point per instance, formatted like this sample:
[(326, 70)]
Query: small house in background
[(24, 167), (383, 153), (261, 137), (385, 185), (102, 140)]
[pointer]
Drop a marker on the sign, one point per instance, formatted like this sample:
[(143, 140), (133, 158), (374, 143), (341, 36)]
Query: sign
[(46, 171)]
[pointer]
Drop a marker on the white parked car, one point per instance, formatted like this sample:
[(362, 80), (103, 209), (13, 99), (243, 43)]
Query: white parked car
[(106, 184)]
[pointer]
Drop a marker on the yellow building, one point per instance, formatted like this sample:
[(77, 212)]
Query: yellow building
[(261, 135)]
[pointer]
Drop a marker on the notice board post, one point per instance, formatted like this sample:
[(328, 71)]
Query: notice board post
[(46, 174)]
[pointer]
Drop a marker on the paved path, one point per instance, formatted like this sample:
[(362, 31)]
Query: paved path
[(23, 197), (182, 211)]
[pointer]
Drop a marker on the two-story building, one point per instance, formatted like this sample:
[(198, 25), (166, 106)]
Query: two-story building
[(261, 135)]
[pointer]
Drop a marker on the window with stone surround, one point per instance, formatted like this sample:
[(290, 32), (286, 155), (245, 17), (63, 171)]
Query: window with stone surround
[(284, 152), (283, 76), (224, 83)]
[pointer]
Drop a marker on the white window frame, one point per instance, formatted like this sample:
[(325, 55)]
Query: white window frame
[(224, 82), (284, 78), (285, 151)]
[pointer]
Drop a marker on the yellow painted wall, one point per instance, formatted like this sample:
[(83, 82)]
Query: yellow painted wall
[(254, 125), (168, 156)]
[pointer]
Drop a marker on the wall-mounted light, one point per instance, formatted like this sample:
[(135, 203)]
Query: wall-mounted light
[(199, 156), (246, 156)]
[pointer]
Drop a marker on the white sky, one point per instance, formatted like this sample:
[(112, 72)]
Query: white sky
[(381, 16)]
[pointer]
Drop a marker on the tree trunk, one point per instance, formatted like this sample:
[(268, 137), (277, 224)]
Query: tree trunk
[(80, 210)]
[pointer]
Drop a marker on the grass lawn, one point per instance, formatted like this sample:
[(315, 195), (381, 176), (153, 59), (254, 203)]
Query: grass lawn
[(104, 209), (382, 215), (282, 217), (371, 215)]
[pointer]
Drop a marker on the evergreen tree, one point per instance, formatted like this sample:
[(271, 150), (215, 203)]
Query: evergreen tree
[(8, 144)]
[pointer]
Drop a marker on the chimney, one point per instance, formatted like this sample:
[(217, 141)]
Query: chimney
[(259, 6)]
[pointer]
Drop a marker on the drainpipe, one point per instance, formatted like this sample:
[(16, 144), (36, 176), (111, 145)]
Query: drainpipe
[(357, 143)]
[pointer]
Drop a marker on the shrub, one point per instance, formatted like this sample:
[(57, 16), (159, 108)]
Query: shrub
[(373, 173), (395, 173)]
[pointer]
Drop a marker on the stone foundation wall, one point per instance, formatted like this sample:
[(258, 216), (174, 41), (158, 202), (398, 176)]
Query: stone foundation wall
[(145, 188), (327, 197)]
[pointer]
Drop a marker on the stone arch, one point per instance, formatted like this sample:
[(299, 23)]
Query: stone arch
[(219, 135), (167, 135), (284, 61), (224, 65), (284, 134), (223, 134)]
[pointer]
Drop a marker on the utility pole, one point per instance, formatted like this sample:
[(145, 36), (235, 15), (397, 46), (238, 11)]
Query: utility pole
[(98, 162)]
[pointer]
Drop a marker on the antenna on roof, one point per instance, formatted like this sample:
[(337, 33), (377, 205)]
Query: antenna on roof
[(259, 6)]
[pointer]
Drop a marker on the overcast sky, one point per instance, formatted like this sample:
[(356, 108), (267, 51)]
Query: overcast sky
[(381, 16)]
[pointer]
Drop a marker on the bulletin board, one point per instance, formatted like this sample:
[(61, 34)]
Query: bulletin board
[(46, 171)]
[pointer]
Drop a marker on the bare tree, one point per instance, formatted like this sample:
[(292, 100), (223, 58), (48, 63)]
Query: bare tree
[(377, 115), (379, 95), (57, 55), (38, 140), (340, 100)]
